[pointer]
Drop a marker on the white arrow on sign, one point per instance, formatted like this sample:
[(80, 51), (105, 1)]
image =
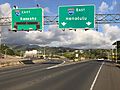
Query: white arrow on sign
[(88, 23), (63, 23)]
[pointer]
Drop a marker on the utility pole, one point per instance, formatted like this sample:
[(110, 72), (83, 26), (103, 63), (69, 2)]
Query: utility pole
[(108, 55), (44, 53), (116, 51), (21, 54), (6, 53), (0, 42), (112, 54)]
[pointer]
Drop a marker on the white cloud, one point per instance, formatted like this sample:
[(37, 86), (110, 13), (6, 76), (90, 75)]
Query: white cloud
[(112, 32), (75, 39), (81, 39), (114, 3), (46, 9), (104, 7), (5, 9), (118, 7)]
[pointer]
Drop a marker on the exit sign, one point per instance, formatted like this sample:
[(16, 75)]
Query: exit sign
[(27, 19), (79, 16)]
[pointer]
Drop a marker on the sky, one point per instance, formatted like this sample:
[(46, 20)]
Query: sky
[(103, 38)]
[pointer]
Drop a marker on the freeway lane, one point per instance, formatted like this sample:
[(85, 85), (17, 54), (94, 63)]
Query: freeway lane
[(109, 78), (29, 66), (70, 77), (14, 72)]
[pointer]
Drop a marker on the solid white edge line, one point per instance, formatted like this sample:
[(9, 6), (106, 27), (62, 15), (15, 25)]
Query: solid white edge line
[(55, 65), (93, 84)]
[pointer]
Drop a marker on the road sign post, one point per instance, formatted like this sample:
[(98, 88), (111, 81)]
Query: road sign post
[(27, 19), (80, 16)]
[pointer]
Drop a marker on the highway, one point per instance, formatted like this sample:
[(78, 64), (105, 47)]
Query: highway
[(90, 75)]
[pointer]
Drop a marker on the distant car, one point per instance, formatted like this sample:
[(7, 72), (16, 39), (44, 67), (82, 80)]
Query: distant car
[(100, 59)]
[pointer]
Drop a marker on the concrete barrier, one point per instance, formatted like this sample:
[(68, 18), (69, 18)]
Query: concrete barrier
[(4, 63)]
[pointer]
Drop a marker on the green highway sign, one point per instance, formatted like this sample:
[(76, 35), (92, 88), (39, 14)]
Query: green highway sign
[(79, 16), (27, 19)]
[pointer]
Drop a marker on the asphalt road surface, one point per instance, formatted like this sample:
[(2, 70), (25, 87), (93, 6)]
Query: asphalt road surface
[(90, 75)]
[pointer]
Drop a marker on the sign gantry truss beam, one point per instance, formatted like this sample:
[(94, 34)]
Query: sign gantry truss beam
[(53, 20), (5, 21), (107, 18)]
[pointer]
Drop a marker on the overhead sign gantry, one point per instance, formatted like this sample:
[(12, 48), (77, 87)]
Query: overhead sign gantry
[(26, 19)]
